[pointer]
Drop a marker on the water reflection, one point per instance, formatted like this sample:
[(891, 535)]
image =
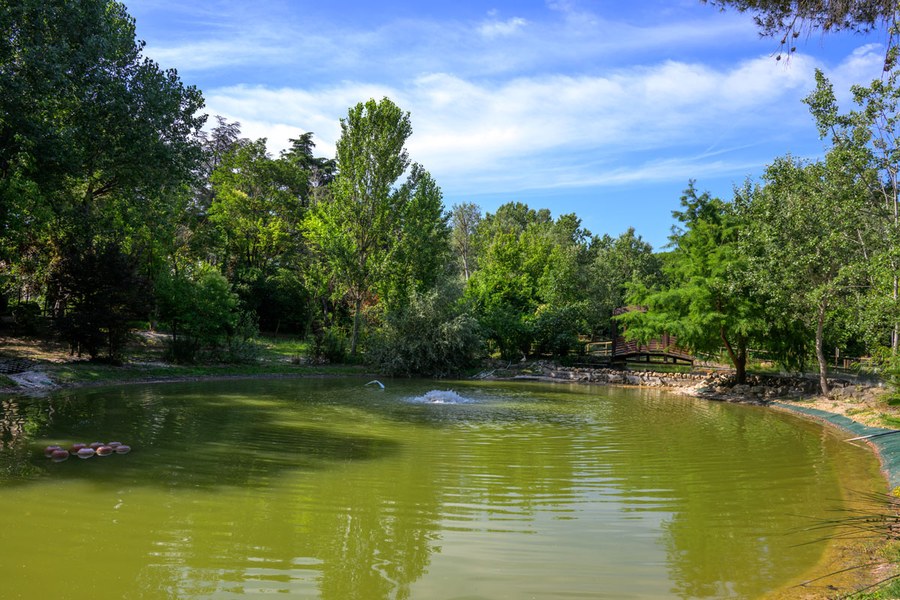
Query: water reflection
[(323, 489)]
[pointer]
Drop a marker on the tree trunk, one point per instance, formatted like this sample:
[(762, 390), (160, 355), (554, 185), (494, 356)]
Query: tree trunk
[(820, 348), (355, 336), (740, 366), (895, 333), (738, 358), (895, 292)]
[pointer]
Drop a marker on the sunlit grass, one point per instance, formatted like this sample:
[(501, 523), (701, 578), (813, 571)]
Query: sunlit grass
[(286, 348), (86, 372)]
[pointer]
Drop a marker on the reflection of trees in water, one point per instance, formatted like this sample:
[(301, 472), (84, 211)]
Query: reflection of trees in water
[(12, 424), (255, 490), (18, 422), (719, 544), (361, 541), (373, 544)]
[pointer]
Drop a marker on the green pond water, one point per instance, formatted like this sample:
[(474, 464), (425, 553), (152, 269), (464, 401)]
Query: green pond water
[(332, 489)]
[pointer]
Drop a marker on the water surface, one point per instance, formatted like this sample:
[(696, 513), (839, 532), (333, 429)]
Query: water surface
[(332, 489)]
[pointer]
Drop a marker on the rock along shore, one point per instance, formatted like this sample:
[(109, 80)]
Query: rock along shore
[(759, 389)]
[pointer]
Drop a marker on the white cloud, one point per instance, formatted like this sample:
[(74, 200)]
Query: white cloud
[(241, 35), (574, 102), (553, 130), (868, 59), (493, 28)]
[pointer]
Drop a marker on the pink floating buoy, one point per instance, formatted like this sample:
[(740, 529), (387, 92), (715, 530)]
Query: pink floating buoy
[(104, 451), (123, 449), (86, 452), (49, 450), (59, 455), (96, 445), (114, 445), (76, 447)]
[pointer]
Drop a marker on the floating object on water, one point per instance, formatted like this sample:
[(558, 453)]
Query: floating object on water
[(59, 454), (381, 385)]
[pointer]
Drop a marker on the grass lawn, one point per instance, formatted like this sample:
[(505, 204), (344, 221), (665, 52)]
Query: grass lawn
[(145, 361)]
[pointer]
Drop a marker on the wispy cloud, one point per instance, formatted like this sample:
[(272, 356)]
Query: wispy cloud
[(558, 98), (240, 34), (501, 133), (493, 28)]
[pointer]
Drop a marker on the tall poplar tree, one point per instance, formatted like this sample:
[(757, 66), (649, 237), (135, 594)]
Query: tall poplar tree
[(869, 141), (354, 232), (805, 242)]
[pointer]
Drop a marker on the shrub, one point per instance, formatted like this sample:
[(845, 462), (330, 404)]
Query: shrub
[(329, 345), (556, 329), (98, 290), (202, 311), (430, 335), (26, 317)]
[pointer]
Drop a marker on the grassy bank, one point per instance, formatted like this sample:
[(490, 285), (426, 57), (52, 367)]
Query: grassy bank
[(275, 356)]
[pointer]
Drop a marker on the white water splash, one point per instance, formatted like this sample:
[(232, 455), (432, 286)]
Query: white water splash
[(441, 397)]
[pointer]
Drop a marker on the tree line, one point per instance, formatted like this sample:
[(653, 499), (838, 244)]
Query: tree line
[(117, 207)]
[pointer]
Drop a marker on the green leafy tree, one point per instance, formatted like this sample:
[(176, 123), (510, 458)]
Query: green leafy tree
[(430, 335), (256, 235), (97, 143), (200, 308), (354, 232), (99, 290), (617, 263), (704, 302), (531, 279), (319, 172), (869, 141), (805, 253), (216, 145), (503, 291), (421, 239), (464, 220)]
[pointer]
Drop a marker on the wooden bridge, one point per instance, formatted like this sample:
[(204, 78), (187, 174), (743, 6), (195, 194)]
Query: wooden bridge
[(663, 349)]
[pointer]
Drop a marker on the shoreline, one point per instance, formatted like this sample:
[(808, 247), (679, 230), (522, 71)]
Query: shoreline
[(839, 555)]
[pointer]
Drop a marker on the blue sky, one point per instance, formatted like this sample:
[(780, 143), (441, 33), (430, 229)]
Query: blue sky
[(603, 108)]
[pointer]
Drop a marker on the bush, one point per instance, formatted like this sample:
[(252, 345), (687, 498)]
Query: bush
[(201, 309), (429, 336), (329, 345), (27, 317), (98, 290), (556, 329), (242, 343)]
